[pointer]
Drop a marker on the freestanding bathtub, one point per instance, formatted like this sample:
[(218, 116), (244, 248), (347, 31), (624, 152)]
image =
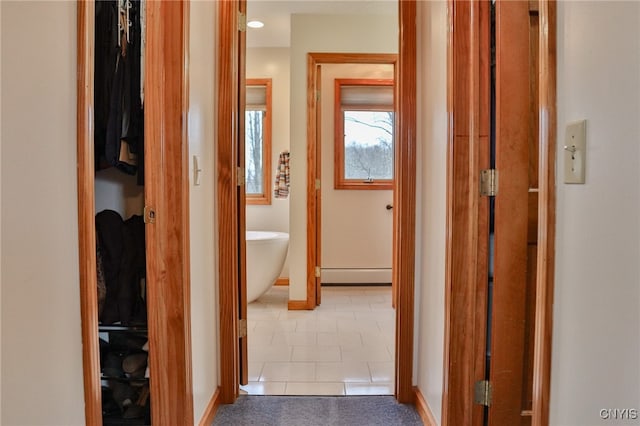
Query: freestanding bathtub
[(266, 253)]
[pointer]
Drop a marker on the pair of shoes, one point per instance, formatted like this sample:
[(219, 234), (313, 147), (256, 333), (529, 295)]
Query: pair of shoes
[(109, 405), (135, 365), (112, 364), (141, 406), (123, 394)]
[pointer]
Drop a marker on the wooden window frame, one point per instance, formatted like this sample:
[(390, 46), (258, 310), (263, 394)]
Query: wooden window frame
[(340, 182), (265, 197)]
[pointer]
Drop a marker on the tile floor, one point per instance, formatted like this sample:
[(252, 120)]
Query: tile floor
[(344, 347)]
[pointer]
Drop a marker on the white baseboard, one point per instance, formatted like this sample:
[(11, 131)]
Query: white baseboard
[(355, 276)]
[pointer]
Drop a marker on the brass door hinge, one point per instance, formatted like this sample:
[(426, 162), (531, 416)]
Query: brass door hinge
[(242, 22), (240, 176), (317, 272), (242, 328), (482, 393), (489, 183), (317, 184)]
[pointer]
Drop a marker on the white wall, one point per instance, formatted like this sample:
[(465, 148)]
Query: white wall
[(431, 201), (356, 227), (41, 338), (321, 33), (596, 342), (118, 191), (0, 222), (273, 63), (203, 242)]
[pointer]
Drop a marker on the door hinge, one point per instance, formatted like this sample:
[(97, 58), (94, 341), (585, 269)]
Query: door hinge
[(240, 177), (242, 22), (317, 95), (149, 215), (317, 184), (317, 272), (489, 183), (242, 328), (483, 392)]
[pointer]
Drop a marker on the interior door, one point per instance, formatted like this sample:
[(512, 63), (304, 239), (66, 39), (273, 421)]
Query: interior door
[(511, 157), (318, 192), (242, 244)]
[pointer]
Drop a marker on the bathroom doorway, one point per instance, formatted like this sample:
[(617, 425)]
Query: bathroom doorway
[(349, 207), (231, 57), (270, 62)]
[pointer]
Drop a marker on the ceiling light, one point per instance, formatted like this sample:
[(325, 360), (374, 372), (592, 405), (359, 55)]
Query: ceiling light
[(255, 24)]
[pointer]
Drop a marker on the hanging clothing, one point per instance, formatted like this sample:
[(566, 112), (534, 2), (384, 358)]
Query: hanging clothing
[(105, 59), (119, 119), (281, 189)]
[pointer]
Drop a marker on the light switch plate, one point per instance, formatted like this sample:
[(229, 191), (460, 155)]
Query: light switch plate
[(575, 152), (196, 170)]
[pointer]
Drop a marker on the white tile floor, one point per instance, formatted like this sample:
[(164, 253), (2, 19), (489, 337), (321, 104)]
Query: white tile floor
[(344, 347)]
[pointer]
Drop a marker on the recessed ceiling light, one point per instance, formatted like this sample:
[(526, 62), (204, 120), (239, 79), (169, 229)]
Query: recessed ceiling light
[(255, 24)]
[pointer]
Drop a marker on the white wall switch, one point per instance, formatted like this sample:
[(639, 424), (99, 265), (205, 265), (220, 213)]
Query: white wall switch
[(575, 152), (196, 170)]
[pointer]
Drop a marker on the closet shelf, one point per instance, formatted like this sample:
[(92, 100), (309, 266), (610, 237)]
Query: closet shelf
[(125, 379), (140, 328)]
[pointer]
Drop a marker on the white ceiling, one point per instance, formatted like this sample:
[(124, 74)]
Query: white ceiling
[(276, 16)]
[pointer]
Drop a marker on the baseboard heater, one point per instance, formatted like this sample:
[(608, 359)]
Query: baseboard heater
[(355, 275)]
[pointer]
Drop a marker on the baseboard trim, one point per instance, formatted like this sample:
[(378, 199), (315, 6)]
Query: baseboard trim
[(210, 412), (423, 408), (282, 281), (298, 305)]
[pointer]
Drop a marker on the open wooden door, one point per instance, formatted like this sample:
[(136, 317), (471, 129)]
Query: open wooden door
[(231, 199), (318, 192), (508, 373), (242, 201)]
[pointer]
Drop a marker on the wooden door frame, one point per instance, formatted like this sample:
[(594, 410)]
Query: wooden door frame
[(404, 200), (167, 191), (462, 314), (314, 159), (404, 316)]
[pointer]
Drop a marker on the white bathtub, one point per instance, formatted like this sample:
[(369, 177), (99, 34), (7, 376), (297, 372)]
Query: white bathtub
[(266, 253)]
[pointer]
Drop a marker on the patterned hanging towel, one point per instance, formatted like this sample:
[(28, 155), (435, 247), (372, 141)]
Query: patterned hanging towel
[(281, 189)]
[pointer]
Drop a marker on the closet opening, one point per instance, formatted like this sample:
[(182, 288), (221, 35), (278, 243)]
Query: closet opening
[(132, 212)]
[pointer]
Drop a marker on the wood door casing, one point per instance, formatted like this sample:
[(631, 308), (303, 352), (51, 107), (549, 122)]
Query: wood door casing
[(314, 62), (86, 216), (404, 200), (545, 267), (467, 213)]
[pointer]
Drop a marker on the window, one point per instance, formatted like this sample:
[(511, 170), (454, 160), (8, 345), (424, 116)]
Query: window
[(257, 130), (364, 129)]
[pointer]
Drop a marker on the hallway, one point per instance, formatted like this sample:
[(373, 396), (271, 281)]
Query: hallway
[(317, 411)]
